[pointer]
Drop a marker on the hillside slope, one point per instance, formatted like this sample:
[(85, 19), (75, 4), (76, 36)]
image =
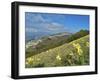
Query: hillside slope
[(72, 54), (37, 46), (45, 43)]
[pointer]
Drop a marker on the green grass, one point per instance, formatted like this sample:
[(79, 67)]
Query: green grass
[(75, 53)]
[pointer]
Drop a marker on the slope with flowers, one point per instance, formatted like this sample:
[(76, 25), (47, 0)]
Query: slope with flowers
[(74, 53)]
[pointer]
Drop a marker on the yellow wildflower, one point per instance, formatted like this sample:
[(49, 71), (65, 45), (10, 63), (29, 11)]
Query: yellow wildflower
[(58, 57), (47, 51), (78, 47), (30, 60)]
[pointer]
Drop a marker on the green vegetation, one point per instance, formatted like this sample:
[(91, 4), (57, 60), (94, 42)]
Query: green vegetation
[(72, 53), (77, 35), (53, 41)]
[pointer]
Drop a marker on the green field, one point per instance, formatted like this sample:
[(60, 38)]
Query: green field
[(74, 53)]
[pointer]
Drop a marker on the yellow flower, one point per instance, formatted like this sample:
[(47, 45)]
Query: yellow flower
[(80, 51), (30, 60), (78, 47), (58, 57), (47, 51)]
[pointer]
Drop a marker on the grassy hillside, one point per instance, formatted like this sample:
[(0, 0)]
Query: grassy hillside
[(69, 54), (34, 47)]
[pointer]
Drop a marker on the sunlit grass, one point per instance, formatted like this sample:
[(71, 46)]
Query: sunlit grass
[(74, 53)]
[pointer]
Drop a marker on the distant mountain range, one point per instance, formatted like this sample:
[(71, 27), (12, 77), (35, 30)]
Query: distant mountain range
[(36, 36)]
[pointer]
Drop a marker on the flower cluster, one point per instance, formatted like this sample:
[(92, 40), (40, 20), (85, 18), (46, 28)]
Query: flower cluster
[(78, 47), (58, 57)]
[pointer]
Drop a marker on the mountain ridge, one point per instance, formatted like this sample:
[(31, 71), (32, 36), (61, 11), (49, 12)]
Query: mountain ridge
[(48, 42)]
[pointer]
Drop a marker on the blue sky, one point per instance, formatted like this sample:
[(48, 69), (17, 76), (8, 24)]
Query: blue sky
[(55, 23)]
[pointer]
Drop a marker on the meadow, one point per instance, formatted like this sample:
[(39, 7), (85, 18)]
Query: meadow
[(73, 53)]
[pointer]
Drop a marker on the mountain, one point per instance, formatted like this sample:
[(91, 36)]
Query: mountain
[(34, 47), (35, 36)]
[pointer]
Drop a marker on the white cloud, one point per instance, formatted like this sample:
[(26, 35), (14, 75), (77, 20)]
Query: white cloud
[(31, 30), (53, 26), (38, 18), (36, 22), (56, 24)]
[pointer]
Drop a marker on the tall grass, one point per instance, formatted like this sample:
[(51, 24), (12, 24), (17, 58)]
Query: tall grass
[(75, 53)]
